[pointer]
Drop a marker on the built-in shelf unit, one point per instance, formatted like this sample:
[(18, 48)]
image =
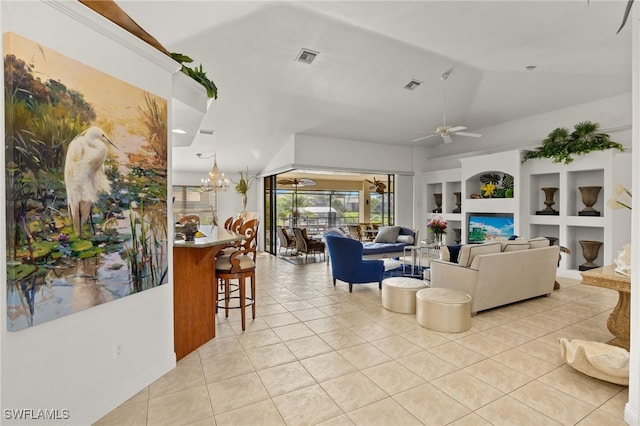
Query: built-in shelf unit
[(605, 169)]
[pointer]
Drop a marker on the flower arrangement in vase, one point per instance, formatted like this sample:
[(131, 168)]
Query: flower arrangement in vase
[(438, 226), (243, 186)]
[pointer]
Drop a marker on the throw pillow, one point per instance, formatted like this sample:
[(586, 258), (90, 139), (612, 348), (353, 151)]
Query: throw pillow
[(538, 242), (516, 245), (387, 234), (454, 252), (406, 239), (445, 255), (469, 251)]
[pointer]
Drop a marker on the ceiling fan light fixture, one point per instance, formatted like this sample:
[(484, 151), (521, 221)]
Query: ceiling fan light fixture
[(413, 84), (307, 56)]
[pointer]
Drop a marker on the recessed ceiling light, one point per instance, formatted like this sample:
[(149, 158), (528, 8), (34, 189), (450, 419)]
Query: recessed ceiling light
[(178, 131), (412, 84), (530, 67), (306, 56)]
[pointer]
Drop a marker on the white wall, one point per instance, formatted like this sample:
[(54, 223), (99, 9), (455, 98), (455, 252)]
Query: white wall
[(343, 154), (229, 201), (613, 114), (404, 202), (68, 363), (633, 405)]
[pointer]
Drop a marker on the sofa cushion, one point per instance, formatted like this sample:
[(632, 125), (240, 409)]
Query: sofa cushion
[(407, 239), (538, 242), (387, 234), (469, 251), (515, 245), (450, 253)]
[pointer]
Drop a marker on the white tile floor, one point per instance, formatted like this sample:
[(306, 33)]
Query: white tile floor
[(319, 355)]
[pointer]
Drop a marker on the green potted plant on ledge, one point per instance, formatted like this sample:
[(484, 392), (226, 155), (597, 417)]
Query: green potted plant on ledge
[(560, 145)]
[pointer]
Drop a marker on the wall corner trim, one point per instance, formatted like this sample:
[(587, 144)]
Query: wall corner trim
[(91, 19)]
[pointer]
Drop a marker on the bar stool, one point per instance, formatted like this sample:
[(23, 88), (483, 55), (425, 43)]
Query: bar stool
[(239, 265)]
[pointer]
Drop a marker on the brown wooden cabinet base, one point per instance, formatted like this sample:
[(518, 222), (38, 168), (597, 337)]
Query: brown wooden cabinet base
[(193, 294)]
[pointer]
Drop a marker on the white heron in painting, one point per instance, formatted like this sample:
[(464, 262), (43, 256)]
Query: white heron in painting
[(84, 175)]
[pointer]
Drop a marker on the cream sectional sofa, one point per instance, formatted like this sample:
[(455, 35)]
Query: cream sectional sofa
[(496, 274)]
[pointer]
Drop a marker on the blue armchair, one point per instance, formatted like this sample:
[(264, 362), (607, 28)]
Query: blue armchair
[(348, 265)]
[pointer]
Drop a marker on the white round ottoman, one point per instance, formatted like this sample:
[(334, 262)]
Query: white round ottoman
[(399, 294), (443, 309)]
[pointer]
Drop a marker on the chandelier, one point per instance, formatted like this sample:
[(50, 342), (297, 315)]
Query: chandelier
[(216, 180), (215, 183)]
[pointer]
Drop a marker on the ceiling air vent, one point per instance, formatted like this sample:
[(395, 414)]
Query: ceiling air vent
[(306, 56), (412, 84)]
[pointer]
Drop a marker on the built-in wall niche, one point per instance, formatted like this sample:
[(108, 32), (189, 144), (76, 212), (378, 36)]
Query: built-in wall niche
[(575, 234), (538, 196), (549, 231), (454, 232), (433, 189), (500, 179), (452, 197), (585, 178)]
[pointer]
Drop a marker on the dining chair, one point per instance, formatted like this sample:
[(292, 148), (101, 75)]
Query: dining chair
[(287, 242), (228, 223), (307, 245)]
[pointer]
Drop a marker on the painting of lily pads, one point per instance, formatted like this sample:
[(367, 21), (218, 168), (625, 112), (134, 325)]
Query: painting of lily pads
[(86, 185)]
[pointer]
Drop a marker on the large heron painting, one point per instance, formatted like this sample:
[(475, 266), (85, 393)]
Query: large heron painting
[(86, 177)]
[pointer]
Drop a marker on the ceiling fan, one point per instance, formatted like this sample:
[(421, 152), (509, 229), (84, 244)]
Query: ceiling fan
[(377, 185), (444, 131)]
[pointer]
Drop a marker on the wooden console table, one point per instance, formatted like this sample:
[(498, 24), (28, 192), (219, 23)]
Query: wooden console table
[(194, 319), (619, 320)]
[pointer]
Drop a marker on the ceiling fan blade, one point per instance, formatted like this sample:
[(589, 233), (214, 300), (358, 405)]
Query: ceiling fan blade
[(455, 129), (447, 139), (424, 137), (473, 135)]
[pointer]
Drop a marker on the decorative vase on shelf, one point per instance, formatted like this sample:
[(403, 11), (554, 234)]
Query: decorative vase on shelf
[(438, 238), (589, 197), (437, 197), (548, 202), (590, 251), (458, 208)]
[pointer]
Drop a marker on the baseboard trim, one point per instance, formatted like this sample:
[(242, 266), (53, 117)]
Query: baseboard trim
[(630, 415), (123, 392)]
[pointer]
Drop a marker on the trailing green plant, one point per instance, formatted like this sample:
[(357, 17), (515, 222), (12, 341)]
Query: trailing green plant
[(560, 145), (197, 73)]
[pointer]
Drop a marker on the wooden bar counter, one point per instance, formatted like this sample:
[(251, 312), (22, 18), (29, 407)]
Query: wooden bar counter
[(193, 292), (619, 320)]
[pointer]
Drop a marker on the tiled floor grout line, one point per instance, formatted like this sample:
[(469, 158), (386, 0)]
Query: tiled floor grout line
[(290, 289)]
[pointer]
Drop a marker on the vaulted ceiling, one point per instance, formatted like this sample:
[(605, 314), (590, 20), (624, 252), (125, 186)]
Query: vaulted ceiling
[(368, 51)]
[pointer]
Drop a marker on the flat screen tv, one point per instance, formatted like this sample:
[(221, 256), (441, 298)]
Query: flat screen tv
[(487, 227)]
